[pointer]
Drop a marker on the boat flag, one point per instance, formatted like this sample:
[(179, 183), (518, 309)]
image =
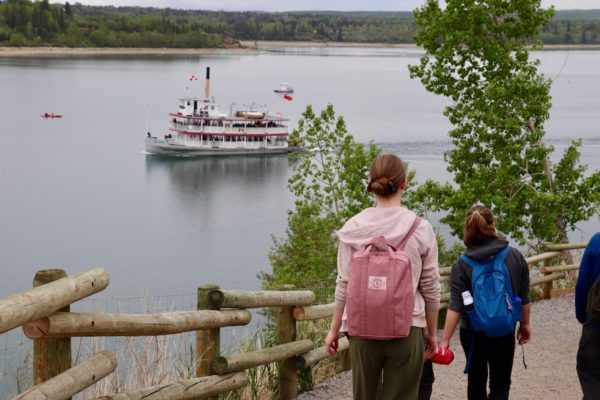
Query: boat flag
[(287, 97)]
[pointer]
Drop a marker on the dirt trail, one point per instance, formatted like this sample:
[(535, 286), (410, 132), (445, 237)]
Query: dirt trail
[(550, 358)]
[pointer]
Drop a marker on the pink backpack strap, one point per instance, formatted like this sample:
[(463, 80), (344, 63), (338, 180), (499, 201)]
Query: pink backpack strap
[(409, 234)]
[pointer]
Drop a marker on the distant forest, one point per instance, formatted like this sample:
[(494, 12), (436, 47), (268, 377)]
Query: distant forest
[(39, 23)]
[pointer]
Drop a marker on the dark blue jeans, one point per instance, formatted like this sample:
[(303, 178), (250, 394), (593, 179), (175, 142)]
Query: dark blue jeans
[(493, 355)]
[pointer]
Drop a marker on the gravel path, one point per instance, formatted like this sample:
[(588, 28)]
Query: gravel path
[(550, 358)]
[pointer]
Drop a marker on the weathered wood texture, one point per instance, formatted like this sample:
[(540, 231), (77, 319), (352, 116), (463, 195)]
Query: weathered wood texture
[(559, 268), (543, 256), (107, 324), (44, 300), (259, 299), (286, 333), (565, 246), (307, 313), (50, 357), (536, 280), (74, 380), (318, 354), (208, 341), (239, 362), (189, 389)]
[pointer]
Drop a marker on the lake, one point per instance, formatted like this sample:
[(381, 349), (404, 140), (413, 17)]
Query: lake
[(79, 192)]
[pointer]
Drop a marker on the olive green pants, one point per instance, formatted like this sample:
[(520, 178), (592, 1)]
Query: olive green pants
[(387, 369)]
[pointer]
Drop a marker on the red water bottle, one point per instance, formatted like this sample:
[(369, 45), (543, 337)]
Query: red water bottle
[(443, 356)]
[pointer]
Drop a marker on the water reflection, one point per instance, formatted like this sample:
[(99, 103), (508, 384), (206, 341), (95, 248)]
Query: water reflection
[(238, 190), (193, 175)]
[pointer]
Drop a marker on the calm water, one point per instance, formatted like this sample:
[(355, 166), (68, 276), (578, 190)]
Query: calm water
[(79, 192)]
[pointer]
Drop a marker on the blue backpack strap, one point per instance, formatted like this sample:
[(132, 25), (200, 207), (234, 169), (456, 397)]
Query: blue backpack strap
[(501, 266), (468, 260)]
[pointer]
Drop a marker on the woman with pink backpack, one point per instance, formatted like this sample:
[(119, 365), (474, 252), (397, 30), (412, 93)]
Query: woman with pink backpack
[(387, 290)]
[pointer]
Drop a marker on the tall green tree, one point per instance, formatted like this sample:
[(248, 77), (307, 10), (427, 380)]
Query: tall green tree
[(329, 184), (476, 54)]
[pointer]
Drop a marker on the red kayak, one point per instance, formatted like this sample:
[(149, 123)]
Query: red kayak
[(49, 115)]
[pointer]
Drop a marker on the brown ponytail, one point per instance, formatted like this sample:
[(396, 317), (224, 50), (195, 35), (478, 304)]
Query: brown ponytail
[(479, 226), (387, 175)]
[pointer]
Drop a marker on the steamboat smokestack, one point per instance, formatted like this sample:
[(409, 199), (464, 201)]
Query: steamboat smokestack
[(207, 84)]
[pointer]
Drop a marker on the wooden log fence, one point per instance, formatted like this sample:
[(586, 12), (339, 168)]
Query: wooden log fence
[(242, 361), (37, 310), (73, 380), (188, 389), (47, 299), (63, 324)]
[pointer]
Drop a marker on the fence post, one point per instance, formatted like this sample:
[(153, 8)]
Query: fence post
[(51, 357), (547, 285), (286, 333), (208, 341)]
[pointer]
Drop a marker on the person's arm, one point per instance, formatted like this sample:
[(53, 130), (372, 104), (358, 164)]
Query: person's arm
[(331, 341), (452, 318), (343, 260), (524, 331), (429, 287), (585, 278)]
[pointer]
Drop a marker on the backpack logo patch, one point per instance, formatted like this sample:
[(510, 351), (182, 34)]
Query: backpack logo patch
[(377, 282)]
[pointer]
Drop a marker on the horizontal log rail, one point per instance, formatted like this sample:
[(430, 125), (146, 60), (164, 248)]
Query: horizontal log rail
[(45, 300), (260, 299), (318, 354), (559, 268), (564, 246), (308, 313), (67, 324), (73, 380), (544, 256), (241, 361), (537, 280), (188, 389)]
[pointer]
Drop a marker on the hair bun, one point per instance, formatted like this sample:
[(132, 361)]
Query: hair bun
[(381, 186)]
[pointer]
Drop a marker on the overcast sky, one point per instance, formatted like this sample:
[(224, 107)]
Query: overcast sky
[(292, 5)]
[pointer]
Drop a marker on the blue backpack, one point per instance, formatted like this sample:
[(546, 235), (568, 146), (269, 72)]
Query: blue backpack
[(495, 310)]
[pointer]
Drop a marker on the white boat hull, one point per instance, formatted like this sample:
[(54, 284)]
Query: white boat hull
[(161, 147)]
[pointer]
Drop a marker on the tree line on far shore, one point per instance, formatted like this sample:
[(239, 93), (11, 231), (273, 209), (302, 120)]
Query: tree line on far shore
[(39, 23)]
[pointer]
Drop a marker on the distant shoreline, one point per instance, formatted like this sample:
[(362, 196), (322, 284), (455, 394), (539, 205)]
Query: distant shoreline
[(246, 47)]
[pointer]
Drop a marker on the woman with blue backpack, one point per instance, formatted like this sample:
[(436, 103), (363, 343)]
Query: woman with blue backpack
[(489, 294)]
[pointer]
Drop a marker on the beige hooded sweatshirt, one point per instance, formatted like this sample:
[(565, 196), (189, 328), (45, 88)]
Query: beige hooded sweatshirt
[(393, 223)]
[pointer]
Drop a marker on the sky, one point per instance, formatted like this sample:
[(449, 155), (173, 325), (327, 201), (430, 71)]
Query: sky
[(294, 5)]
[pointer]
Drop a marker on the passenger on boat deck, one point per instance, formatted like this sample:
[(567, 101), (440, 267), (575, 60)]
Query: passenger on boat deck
[(149, 135)]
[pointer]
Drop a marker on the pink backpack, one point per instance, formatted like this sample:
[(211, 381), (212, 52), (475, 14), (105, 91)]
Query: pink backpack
[(380, 299)]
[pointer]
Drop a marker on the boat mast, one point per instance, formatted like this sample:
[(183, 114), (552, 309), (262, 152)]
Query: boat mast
[(207, 84)]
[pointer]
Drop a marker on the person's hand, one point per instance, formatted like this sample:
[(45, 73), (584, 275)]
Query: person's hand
[(331, 342), (524, 333), (430, 346), (445, 343)]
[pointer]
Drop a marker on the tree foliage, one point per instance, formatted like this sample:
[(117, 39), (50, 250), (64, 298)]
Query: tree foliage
[(476, 55), (329, 184), (35, 23)]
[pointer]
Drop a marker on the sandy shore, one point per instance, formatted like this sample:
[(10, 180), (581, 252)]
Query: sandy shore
[(246, 47), (95, 51)]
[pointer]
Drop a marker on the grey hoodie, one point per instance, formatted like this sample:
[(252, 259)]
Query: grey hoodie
[(393, 223)]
